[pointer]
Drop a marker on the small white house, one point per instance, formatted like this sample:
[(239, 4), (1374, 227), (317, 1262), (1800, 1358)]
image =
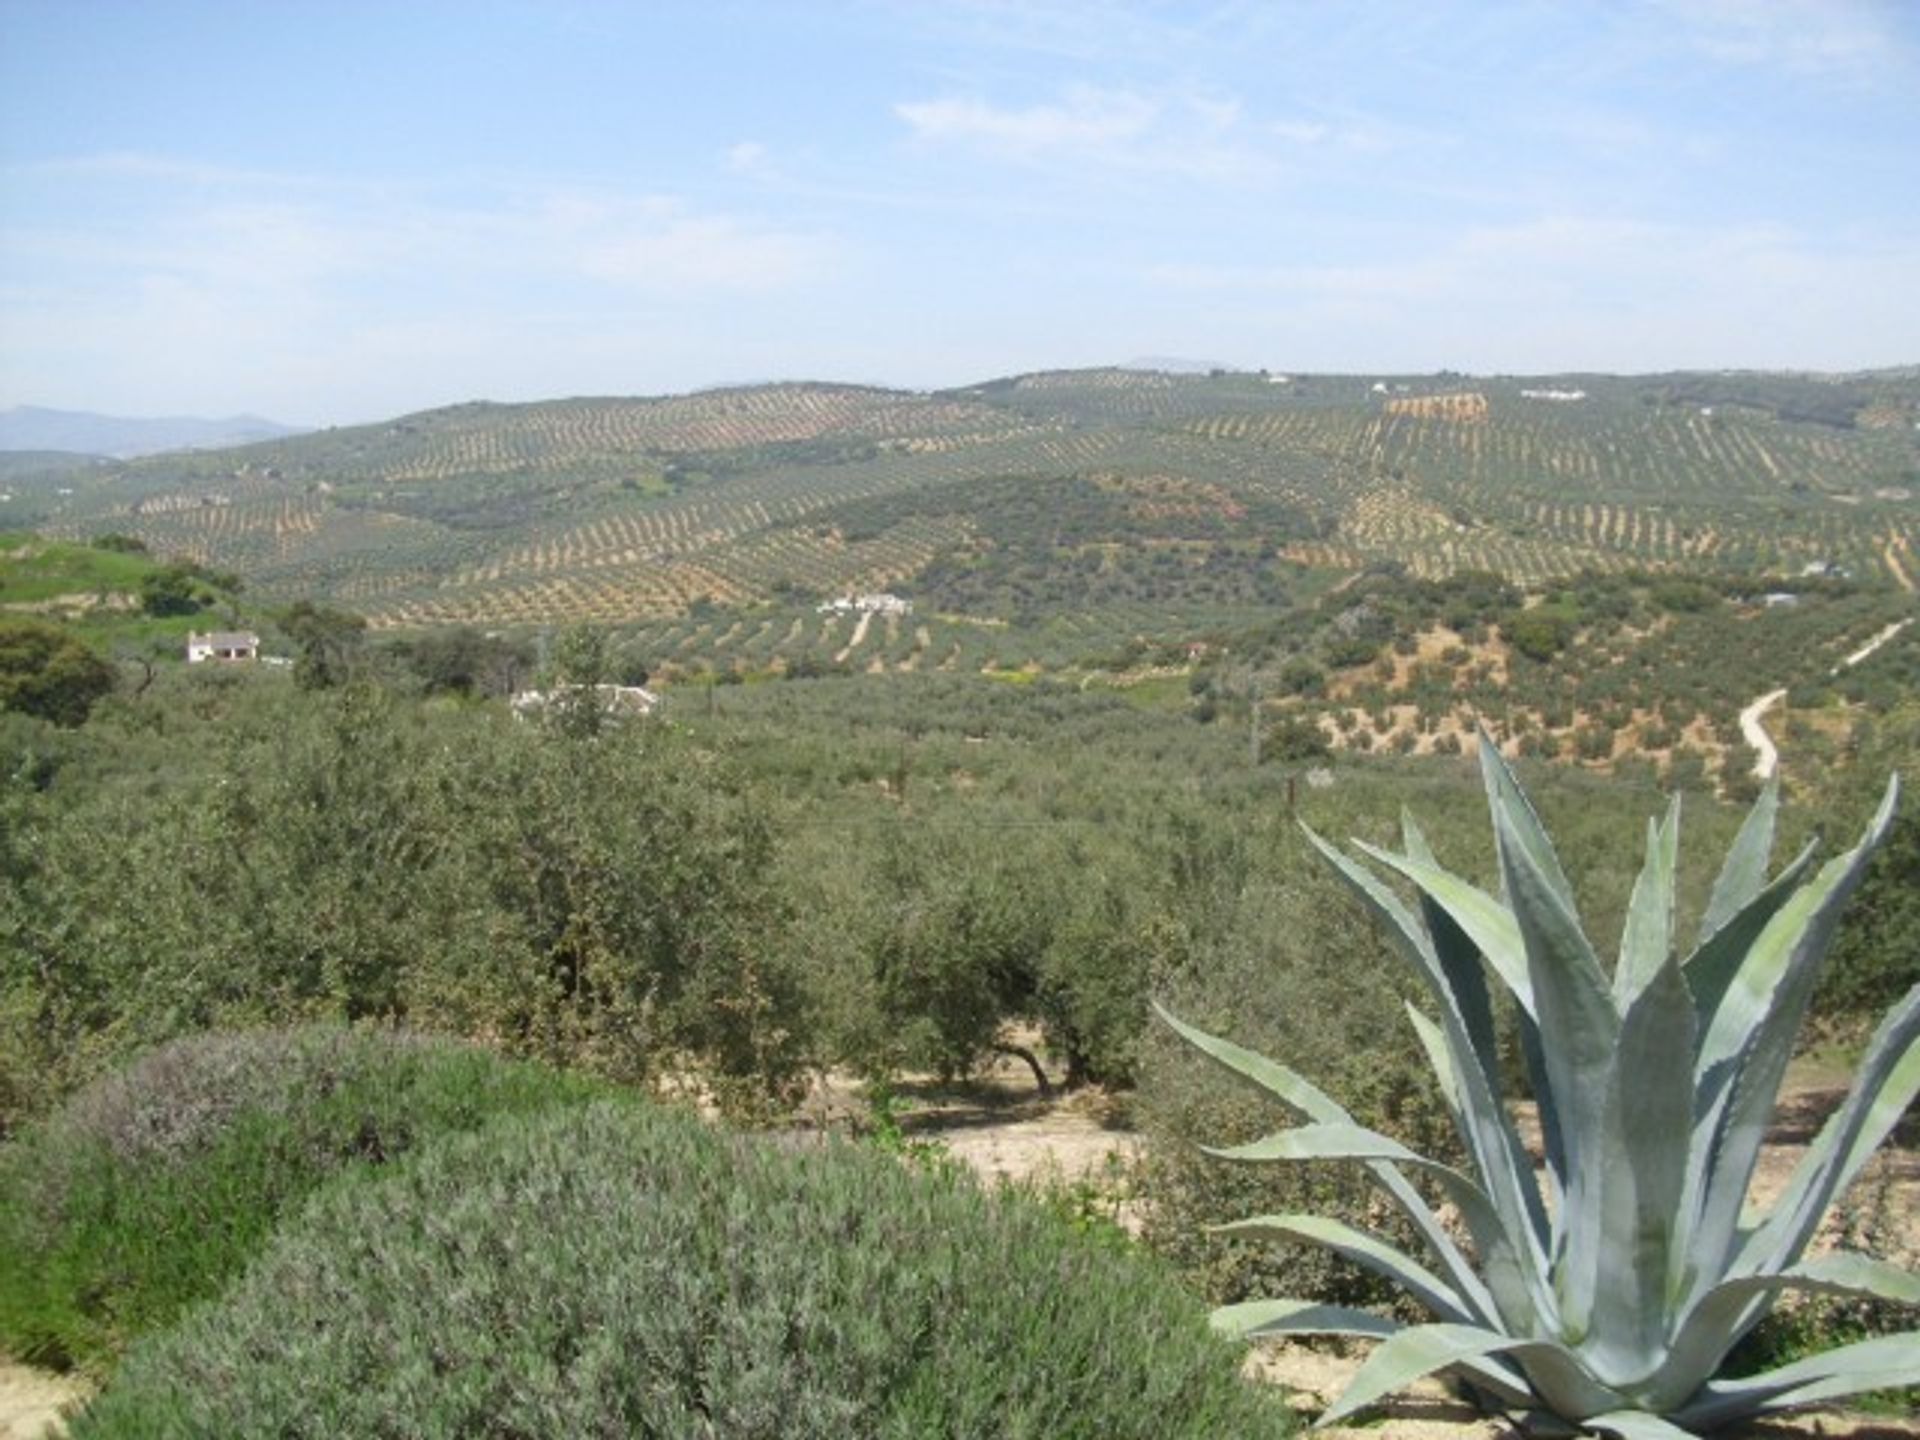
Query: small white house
[(222, 645)]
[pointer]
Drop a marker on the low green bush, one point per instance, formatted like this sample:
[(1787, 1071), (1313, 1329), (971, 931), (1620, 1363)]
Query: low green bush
[(153, 1187), (625, 1271)]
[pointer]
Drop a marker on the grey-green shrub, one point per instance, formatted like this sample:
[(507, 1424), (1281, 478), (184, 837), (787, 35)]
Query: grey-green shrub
[(154, 1186), (623, 1271)]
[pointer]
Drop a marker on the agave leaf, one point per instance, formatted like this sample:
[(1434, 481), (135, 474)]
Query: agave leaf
[(1525, 832), (1422, 1350), (1267, 1319), (1641, 1176), (1648, 938), (1281, 1081), (1368, 1251), (1743, 873), (1259, 1319), (1460, 965), (1886, 1083), (1573, 1007), (1483, 919), (1485, 1128), (1511, 1278), (1710, 970), (1434, 1043), (1716, 960), (1882, 1363), (1306, 1098), (1750, 1038), (1334, 1142), (1729, 1310)]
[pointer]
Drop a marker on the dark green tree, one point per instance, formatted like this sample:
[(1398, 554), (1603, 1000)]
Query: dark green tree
[(328, 641), (45, 671), (581, 664), (169, 590)]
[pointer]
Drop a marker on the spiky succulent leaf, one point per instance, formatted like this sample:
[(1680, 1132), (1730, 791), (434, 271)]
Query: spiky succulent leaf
[(1368, 1251), (1749, 1040), (1575, 1011), (1636, 1425), (1306, 1098), (1640, 1178), (1421, 1350), (1885, 1362), (1743, 874), (1523, 832), (1717, 958), (1487, 923), (1509, 1262), (1485, 1129), (1887, 1082), (1648, 938), (1270, 1319), (1653, 1089), (1729, 1310), (1264, 1319), (1460, 966)]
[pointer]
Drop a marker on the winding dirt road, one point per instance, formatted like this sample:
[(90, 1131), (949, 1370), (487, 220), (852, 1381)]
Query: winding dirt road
[(1766, 754)]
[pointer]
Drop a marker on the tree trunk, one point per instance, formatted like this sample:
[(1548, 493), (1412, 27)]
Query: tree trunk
[(1021, 1052)]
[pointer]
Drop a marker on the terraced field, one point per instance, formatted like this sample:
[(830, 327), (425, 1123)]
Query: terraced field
[(653, 511)]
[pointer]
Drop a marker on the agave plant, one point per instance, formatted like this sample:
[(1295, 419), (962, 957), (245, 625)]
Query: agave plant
[(1606, 1285)]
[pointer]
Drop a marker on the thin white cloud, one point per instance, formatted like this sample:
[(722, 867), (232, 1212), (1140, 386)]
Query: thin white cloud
[(1087, 117), (1300, 132), (1840, 38), (1199, 134), (747, 157), (1570, 291), (304, 287), (680, 248)]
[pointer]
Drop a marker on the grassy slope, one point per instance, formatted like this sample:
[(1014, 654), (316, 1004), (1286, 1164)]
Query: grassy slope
[(94, 593)]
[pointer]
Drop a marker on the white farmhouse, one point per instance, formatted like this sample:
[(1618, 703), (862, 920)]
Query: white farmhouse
[(222, 645)]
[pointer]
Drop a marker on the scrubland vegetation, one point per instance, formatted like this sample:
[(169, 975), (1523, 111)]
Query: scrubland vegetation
[(1157, 620)]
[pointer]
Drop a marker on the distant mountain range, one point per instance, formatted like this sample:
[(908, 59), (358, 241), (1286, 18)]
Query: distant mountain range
[(30, 427)]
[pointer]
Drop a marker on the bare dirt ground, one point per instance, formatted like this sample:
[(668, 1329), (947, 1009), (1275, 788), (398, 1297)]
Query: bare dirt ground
[(32, 1402)]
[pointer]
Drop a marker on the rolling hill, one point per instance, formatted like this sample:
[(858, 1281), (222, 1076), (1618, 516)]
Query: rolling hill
[(1163, 492)]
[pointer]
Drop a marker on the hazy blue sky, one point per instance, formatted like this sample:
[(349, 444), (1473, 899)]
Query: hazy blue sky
[(331, 211)]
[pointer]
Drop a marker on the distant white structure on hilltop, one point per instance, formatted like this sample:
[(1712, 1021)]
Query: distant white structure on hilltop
[(1560, 395), (222, 645), (882, 603)]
